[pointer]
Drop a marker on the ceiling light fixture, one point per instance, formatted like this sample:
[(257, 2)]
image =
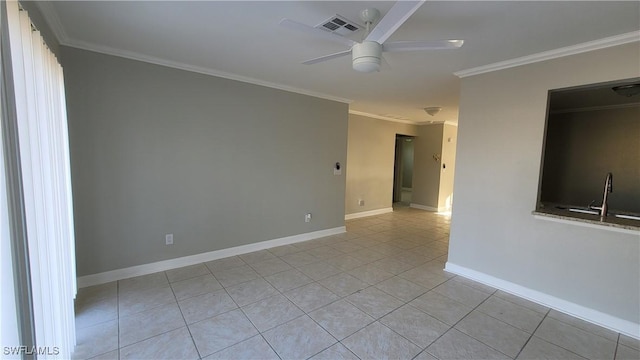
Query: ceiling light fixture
[(367, 56), (432, 110)]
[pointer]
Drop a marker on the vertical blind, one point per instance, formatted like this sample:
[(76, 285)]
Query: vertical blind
[(45, 165)]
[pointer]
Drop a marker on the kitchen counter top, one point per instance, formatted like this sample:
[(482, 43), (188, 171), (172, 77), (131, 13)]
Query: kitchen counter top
[(609, 221)]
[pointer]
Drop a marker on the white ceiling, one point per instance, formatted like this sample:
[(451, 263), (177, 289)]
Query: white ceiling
[(243, 39)]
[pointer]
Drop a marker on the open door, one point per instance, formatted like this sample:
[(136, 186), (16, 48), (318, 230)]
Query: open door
[(403, 170)]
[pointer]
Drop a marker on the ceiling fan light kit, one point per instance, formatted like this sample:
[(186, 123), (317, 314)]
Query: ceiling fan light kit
[(367, 55)]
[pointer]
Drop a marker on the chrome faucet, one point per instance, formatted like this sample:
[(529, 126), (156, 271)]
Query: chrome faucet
[(608, 188)]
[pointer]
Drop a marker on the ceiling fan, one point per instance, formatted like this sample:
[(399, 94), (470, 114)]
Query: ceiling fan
[(367, 55)]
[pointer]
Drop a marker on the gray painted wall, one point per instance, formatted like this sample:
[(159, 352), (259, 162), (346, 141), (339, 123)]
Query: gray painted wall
[(216, 162), (582, 147), (371, 154), (500, 135)]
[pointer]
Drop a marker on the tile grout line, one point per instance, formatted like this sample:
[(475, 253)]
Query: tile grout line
[(184, 319), (457, 322), (533, 332), (615, 352)]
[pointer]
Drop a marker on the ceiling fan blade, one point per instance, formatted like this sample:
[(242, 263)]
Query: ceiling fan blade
[(397, 15), (294, 25), (397, 46), (327, 57)]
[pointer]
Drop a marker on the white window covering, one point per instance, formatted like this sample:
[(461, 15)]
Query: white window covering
[(44, 153)]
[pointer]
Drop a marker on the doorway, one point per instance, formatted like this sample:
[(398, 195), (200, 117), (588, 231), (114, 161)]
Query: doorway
[(403, 170)]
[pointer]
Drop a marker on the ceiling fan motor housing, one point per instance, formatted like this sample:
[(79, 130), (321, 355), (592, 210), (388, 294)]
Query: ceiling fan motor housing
[(367, 56)]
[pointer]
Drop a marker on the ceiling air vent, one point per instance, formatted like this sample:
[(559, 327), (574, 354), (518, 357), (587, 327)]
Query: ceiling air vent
[(339, 25)]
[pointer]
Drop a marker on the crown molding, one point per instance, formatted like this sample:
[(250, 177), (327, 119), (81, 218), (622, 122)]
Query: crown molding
[(616, 40), (51, 17), (199, 69), (380, 117)]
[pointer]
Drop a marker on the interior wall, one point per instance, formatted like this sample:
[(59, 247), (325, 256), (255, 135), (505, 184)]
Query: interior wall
[(215, 162), (582, 147), (370, 159), (426, 174), (493, 231), (447, 166)]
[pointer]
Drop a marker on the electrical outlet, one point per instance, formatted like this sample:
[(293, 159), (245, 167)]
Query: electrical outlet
[(168, 239), (307, 218), (361, 202)]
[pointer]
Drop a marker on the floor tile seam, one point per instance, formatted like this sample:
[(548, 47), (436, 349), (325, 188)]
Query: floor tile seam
[(211, 317), (168, 302), (405, 301), (615, 352), (277, 272), (317, 282), (475, 288), (297, 287), (312, 319), (582, 329), (81, 301), (513, 302), (226, 347), (268, 343), (456, 323), (495, 318), (102, 322), (189, 329), (232, 299), (426, 313), (279, 292), (275, 326), (189, 278), (226, 268), (242, 282), (492, 347), (179, 309), (409, 340), (325, 305), (429, 287), (128, 293), (164, 331), (532, 334), (554, 344), (327, 330), (195, 295), (371, 315)]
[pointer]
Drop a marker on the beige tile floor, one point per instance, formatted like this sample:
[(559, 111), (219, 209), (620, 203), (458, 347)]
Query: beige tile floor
[(375, 292)]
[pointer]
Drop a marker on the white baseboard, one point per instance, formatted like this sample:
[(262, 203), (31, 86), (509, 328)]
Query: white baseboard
[(425, 207), (119, 274), (368, 213), (587, 314)]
